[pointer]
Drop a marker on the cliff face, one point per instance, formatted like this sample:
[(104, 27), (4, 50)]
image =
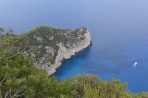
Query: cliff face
[(49, 46)]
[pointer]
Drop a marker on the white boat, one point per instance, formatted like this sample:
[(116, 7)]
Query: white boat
[(135, 64)]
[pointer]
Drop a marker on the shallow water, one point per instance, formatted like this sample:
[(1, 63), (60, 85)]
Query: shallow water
[(119, 30)]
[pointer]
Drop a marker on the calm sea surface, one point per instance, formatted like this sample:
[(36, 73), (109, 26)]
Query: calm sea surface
[(119, 31)]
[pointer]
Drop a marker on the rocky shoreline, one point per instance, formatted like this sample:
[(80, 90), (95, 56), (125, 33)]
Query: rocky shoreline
[(50, 46), (52, 73), (68, 53)]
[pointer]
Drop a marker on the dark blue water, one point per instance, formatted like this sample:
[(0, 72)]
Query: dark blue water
[(119, 30)]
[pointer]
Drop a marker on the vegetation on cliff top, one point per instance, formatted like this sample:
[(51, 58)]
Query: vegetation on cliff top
[(19, 78), (45, 39)]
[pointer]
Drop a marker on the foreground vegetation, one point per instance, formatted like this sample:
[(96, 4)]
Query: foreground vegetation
[(19, 78)]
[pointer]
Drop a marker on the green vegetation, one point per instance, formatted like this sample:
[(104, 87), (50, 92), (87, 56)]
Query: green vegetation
[(19, 78), (38, 41), (43, 38)]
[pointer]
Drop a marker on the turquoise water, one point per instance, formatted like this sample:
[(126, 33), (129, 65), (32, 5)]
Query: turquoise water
[(119, 31)]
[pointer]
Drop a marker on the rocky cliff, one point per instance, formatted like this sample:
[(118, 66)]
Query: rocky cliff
[(49, 46)]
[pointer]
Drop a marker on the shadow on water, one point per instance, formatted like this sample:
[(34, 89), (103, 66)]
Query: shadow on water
[(68, 66)]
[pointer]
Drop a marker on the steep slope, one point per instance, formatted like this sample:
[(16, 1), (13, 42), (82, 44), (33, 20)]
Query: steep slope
[(49, 46)]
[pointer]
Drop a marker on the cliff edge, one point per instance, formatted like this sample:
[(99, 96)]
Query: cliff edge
[(50, 46)]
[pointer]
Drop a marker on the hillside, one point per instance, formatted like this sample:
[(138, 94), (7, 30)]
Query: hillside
[(49, 46)]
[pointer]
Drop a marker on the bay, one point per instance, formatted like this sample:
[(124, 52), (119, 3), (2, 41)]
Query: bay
[(119, 31)]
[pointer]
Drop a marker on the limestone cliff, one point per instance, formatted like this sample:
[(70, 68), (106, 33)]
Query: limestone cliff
[(49, 46)]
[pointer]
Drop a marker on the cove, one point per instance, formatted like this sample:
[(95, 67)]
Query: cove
[(119, 31)]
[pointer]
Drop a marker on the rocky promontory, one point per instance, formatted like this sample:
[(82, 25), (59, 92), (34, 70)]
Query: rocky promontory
[(50, 46)]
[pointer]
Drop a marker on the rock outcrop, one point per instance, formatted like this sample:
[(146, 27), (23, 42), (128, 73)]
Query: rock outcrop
[(50, 46)]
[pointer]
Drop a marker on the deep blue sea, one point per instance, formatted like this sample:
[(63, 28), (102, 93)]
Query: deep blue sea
[(119, 31)]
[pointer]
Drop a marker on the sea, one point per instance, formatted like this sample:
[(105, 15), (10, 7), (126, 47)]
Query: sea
[(118, 28)]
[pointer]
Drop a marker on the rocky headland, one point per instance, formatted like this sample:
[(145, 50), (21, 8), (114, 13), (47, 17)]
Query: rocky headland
[(50, 46)]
